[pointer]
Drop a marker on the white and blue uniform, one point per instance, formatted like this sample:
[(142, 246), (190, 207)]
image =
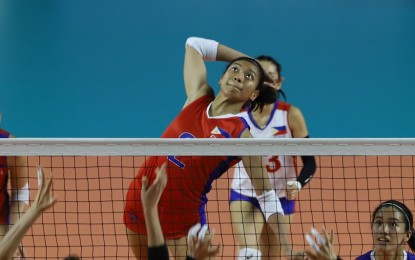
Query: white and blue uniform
[(281, 168), (371, 256)]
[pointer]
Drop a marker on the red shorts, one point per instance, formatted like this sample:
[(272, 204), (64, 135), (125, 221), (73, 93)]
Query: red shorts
[(175, 221)]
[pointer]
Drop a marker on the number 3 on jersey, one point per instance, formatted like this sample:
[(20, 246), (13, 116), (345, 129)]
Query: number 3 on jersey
[(173, 159), (273, 164)]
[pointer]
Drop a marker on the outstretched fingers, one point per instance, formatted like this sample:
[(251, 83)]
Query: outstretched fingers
[(44, 198), (161, 179), (150, 194), (323, 248)]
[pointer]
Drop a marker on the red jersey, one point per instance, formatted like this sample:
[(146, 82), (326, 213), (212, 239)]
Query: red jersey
[(190, 178), (4, 196)]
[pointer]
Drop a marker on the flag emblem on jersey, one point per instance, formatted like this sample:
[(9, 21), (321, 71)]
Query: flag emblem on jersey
[(220, 131), (279, 130)]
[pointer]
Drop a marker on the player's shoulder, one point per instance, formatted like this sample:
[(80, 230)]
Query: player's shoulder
[(197, 107), (232, 121), (4, 134), (244, 115), (281, 105), (202, 99), (294, 112)]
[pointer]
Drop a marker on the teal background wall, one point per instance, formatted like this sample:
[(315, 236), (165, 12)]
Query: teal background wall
[(84, 68)]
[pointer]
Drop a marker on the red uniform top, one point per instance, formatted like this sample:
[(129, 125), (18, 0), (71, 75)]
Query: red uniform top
[(190, 178), (4, 196)]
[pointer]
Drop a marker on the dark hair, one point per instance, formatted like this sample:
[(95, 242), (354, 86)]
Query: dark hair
[(269, 95), (264, 90), (72, 257), (279, 69), (409, 220)]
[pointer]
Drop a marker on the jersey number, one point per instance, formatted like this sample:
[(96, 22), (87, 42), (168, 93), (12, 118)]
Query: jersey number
[(173, 159), (273, 164)]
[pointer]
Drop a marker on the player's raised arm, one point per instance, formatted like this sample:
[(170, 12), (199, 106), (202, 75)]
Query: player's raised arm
[(199, 50)]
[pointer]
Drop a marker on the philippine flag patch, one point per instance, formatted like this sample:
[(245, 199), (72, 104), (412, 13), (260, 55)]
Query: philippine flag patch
[(279, 130), (220, 131)]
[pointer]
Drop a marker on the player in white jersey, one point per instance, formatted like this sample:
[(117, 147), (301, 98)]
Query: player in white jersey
[(276, 120)]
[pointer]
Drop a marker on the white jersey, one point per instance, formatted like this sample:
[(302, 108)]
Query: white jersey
[(280, 168)]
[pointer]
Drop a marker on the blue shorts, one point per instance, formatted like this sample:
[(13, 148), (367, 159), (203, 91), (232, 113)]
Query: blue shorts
[(287, 205)]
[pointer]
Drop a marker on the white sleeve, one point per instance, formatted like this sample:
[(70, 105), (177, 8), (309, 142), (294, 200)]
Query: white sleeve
[(205, 47)]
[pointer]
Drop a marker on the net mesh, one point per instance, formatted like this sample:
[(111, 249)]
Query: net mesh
[(88, 219)]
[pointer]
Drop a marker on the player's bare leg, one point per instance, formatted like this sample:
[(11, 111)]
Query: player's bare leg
[(248, 223), (178, 247), (270, 244)]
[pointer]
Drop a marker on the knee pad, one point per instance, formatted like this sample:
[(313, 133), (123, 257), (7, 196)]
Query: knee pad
[(249, 253)]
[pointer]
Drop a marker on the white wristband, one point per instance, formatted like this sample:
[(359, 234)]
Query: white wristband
[(270, 204), (296, 184), (206, 48)]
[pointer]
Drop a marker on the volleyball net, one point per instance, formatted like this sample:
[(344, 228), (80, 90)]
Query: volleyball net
[(92, 176)]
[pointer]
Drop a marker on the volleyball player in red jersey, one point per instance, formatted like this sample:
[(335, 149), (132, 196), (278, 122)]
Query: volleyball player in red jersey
[(190, 177), (12, 207)]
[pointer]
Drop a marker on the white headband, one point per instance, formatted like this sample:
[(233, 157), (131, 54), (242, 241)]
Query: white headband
[(401, 209)]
